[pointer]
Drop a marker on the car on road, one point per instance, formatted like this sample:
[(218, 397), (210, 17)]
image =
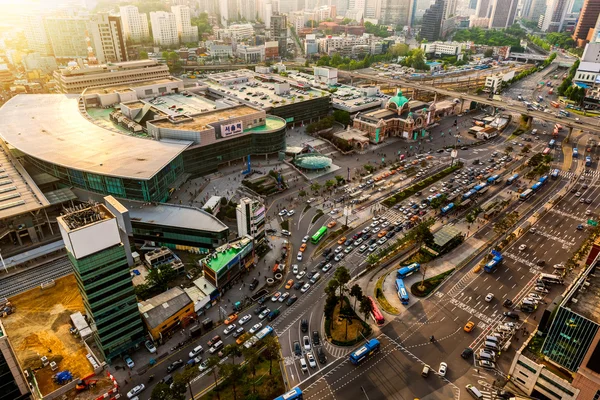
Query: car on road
[(291, 212), (305, 288), (302, 247), (489, 297), (311, 360), (292, 300), (372, 247), (321, 355), (195, 351), (259, 309), (298, 285), (203, 366), (348, 249), (300, 274), (275, 296), (285, 232), (256, 327), (486, 364), (306, 342), (175, 365), (507, 303), (522, 247), (150, 346), (340, 242), (466, 353), (535, 296), (136, 390), (264, 314), (541, 289), (469, 326), (357, 242), (338, 249), (238, 332), (326, 267), (297, 348), (289, 284), (129, 362), (303, 366), (334, 211), (382, 240), (511, 315), (316, 338), (305, 239), (214, 340), (299, 256), (331, 224), (486, 355), (363, 248), (245, 319), (348, 242), (284, 297), (443, 369), (339, 256), (294, 269), (283, 213), (580, 227), (229, 329)]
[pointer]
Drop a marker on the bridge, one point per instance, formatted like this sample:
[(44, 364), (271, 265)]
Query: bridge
[(566, 122), (527, 56)]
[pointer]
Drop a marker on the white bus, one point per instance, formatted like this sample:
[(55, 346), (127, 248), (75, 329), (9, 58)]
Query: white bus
[(549, 278)]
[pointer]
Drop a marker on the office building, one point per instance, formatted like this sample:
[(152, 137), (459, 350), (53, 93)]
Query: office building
[(251, 216), (107, 38), (450, 8), (38, 62), (226, 263), (36, 34), (536, 10), (135, 25), (228, 10), (248, 10), (76, 80), (13, 385), (432, 21), (396, 12), (554, 16), (237, 32), (483, 9), (164, 28), (185, 30), (443, 48), (250, 54), (502, 13), (373, 9), (588, 23), (101, 268), (279, 32)]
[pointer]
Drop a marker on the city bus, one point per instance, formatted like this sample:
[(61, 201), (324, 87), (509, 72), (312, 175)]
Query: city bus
[(447, 209), (554, 103), (294, 394), (493, 179), (513, 178), (266, 331), (555, 173), (408, 270), (546, 151), (525, 195), (356, 194), (356, 357), (549, 278), (552, 143), (402, 292), (319, 235), (575, 152), (564, 113), (588, 161), (375, 312)]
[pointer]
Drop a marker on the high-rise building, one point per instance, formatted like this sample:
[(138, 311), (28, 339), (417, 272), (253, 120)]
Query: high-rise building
[(164, 28), (396, 12), (483, 9), (432, 21), (13, 385), (588, 20), (502, 13), (229, 11), (183, 19), (450, 8), (99, 252), (135, 25), (36, 34), (279, 32), (108, 40), (208, 6), (537, 9), (525, 9), (248, 10), (67, 36), (373, 9), (250, 215), (555, 15)]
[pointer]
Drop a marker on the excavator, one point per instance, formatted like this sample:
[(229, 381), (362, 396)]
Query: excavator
[(86, 382)]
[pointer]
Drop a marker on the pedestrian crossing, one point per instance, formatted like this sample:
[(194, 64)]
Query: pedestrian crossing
[(588, 173), (337, 352)]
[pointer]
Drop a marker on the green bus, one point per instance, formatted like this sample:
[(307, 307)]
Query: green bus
[(319, 235)]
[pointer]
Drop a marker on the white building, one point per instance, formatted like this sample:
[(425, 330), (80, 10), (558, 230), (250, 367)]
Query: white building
[(164, 28), (248, 9), (350, 45), (236, 31), (183, 19), (326, 75), (310, 45), (220, 50), (135, 25), (443, 48), (250, 216), (251, 54)]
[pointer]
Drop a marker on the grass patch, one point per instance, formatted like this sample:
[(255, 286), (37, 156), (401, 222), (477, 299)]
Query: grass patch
[(391, 201), (429, 284), (318, 215), (420, 257), (306, 208), (387, 307), (267, 386), (285, 224), (345, 326)]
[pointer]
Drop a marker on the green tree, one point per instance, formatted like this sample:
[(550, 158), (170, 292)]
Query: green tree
[(204, 26), (422, 234), (340, 179), (341, 116), (330, 184), (252, 359), (159, 277), (365, 307), (212, 364), (357, 293), (398, 50), (508, 150), (232, 350), (488, 53), (342, 276), (182, 382), (271, 351), (315, 187), (143, 55), (162, 391), (234, 374)]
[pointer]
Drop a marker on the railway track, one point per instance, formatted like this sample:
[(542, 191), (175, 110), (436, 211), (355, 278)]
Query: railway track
[(28, 279)]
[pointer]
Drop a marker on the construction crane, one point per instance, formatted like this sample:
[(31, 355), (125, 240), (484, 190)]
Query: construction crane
[(92, 60)]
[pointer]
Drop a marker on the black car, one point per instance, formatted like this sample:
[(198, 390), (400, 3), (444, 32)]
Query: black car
[(271, 231), (316, 338), (310, 274), (440, 150), (366, 236), (507, 303), (298, 285), (348, 242), (292, 300), (259, 309), (511, 315), (321, 264), (304, 325), (326, 252), (239, 331), (329, 257), (467, 353), (390, 234), (372, 241), (297, 348), (398, 228), (262, 300), (464, 148), (175, 365), (167, 380), (321, 355), (253, 284)]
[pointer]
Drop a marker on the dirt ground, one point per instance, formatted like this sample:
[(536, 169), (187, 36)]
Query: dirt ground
[(103, 385), (40, 327)]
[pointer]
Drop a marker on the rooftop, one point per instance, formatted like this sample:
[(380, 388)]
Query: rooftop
[(223, 255), (201, 121), (586, 293), (126, 87), (159, 308), (81, 216), (110, 67), (50, 127)]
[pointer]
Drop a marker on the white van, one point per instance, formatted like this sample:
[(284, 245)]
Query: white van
[(197, 350), (473, 391), (491, 346), (216, 347), (303, 366), (315, 278)]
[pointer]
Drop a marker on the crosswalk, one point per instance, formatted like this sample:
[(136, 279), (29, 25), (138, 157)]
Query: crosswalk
[(336, 351), (587, 173)]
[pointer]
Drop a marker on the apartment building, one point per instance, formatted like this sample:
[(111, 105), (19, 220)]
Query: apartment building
[(164, 28), (250, 216), (106, 33), (36, 34), (236, 32), (443, 48), (135, 25), (183, 19)]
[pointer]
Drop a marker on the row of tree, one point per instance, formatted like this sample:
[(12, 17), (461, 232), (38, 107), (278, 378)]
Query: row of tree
[(493, 37)]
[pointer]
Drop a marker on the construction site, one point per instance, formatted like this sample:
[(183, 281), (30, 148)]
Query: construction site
[(41, 333)]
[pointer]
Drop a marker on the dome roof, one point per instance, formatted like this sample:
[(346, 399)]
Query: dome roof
[(399, 100)]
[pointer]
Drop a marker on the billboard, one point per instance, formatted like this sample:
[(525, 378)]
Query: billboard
[(232, 129)]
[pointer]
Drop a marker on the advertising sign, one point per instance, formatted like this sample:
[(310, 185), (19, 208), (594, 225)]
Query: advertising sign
[(232, 129)]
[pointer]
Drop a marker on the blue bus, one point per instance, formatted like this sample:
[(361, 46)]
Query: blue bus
[(513, 178), (266, 331), (468, 194), (365, 351), (494, 263), (552, 143), (575, 152), (536, 186), (588, 161), (294, 394), (408, 270), (555, 173), (479, 187), (402, 292), (447, 209), (493, 179), (543, 179)]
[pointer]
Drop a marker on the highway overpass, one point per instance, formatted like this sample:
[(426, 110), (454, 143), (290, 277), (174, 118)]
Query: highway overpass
[(518, 108)]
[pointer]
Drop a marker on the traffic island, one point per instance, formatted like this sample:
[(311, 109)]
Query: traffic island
[(380, 296), (426, 287), (345, 328)]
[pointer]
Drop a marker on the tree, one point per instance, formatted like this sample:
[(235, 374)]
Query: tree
[(508, 150), (356, 292), (204, 26), (302, 193), (398, 50), (233, 373), (315, 187), (252, 359), (342, 276), (233, 351), (182, 381), (488, 53), (160, 277), (162, 391), (340, 179), (212, 364), (143, 55), (526, 149), (329, 184), (332, 287), (271, 351), (422, 234), (423, 272), (365, 306), (341, 116)]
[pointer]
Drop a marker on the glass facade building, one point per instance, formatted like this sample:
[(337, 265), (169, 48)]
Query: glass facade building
[(180, 238)]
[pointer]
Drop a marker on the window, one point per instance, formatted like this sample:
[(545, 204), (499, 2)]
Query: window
[(553, 383), (527, 367), (524, 374), (521, 380)]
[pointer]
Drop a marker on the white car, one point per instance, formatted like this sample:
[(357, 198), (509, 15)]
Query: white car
[(290, 213), (338, 249), (283, 213), (363, 248), (326, 267), (311, 360), (305, 288), (150, 346), (338, 257), (283, 297), (534, 296), (294, 268), (256, 327), (443, 369), (306, 342), (375, 230), (229, 329), (264, 314), (300, 275), (305, 239), (275, 296), (357, 242), (285, 232), (489, 297), (203, 366), (245, 319), (522, 247), (136, 390), (299, 256)]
